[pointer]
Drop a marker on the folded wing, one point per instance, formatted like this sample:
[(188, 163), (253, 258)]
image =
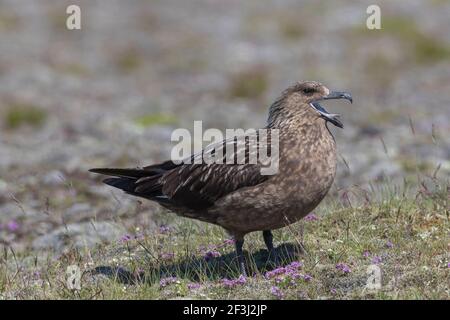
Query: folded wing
[(197, 184)]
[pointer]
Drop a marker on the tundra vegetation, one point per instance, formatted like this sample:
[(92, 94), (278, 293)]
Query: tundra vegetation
[(112, 93), (404, 231)]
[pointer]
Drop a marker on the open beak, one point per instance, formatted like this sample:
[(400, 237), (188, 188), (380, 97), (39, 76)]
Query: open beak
[(331, 117), (339, 95)]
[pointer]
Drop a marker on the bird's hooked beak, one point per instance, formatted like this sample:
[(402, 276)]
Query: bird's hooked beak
[(332, 117)]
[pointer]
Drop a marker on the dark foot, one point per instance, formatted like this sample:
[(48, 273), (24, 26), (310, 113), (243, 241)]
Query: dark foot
[(240, 256), (268, 240)]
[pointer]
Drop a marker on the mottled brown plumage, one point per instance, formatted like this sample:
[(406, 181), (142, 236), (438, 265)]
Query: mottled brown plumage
[(237, 196)]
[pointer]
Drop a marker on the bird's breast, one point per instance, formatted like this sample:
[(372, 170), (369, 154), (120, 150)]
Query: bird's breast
[(307, 167)]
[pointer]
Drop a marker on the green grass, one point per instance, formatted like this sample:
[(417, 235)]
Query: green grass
[(292, 29), (129, 60), (8, 21), (426, 48), (249, 84), (406, 236), (18, 115), (154, 119), (420, 47)]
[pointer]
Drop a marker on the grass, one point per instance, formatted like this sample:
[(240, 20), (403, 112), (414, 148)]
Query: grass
[(404, 231), (419, 46), (292, 28), (426, 48), (18, 115), (129, 61), (249, 84), (8, 21), (154, 119)]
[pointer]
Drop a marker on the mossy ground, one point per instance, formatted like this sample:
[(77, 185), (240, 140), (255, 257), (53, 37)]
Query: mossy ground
[(405, 234)]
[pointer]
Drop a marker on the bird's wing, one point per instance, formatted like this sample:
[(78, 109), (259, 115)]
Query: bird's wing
[(199, 185), (201, 179)]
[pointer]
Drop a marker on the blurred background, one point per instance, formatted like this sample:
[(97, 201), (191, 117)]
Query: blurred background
[(111, 93)]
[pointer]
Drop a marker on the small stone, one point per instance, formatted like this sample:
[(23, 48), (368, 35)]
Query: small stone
[(80, 235), (54, 178)]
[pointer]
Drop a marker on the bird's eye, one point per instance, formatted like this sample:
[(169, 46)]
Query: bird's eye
[(308, 90)]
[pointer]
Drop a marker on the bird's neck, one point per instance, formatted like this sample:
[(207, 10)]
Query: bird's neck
[(301, 131), (303, 123), (306, 133), (306, 137), (286, 112)]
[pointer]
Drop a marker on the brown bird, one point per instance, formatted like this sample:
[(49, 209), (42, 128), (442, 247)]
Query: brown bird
[(238, 196)]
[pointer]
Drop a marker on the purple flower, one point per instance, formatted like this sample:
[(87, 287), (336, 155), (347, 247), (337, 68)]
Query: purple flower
[(241, 280), (311, 217), (389, 244), (12, 226), (164, 229), (228, 242), (366, 254), (288, 275), (275, 272), (208, 255), (276, 292), (228, 283), (448, 265), (128, 237), (233, 283), (333, 291), (307, 277), (279, 279), (377, 260), (164, 282), (139, 236), (125, 238), (294, 274), (343, 267), (290, 270), (294, 265), (193, 286), (167, 256)]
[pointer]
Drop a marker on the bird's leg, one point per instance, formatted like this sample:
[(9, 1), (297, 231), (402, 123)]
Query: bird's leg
[(239, 242), (268, 240)]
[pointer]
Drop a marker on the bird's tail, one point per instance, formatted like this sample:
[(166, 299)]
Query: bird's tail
[(129, 180), (124, 179)]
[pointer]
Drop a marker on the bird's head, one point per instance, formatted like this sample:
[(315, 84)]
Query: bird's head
[(305, 97)]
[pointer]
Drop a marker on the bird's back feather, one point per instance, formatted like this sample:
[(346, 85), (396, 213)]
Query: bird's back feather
[(192, 186)]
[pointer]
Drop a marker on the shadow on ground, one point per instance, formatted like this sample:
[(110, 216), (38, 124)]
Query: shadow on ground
[(197, 268)]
